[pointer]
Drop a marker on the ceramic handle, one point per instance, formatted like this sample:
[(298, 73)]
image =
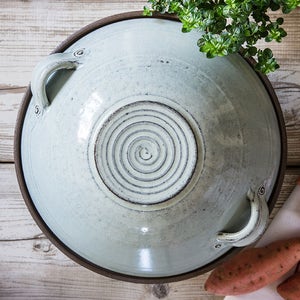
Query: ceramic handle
[(256, 225), (46, 68)]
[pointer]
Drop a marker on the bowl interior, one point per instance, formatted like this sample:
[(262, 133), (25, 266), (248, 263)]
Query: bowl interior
[(147, 150)]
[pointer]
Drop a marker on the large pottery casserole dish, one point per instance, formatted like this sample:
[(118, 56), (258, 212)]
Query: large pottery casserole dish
[(133, 151)]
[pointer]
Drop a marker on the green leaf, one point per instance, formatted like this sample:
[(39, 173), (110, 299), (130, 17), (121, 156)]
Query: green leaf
[(252, 51), (279, 21), (147, 11), (266, 62), (267, 53), (274, 6)]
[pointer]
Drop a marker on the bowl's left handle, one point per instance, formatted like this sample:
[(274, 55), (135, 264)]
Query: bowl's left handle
[(45, 68)]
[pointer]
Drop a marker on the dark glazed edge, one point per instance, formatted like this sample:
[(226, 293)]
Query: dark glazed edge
[(54, 239)]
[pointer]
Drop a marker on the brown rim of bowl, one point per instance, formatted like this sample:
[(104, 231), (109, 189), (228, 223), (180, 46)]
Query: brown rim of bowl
[(69, 252)]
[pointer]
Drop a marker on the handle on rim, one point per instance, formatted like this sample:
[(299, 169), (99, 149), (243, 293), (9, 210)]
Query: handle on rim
[(46, 68), (256, 225)]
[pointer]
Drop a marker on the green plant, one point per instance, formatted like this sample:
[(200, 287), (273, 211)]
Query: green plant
[(230, 26)]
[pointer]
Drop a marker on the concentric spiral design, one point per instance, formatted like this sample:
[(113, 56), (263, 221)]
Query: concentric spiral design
[(145, 152)]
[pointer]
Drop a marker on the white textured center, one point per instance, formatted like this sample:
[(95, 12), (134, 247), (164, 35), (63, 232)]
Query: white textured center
[(145, 152)]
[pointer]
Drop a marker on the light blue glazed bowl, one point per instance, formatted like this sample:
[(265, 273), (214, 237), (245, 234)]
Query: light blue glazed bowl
[(137, 156)]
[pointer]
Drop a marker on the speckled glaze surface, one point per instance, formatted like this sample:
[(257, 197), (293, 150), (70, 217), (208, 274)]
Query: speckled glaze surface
[(140, 150)]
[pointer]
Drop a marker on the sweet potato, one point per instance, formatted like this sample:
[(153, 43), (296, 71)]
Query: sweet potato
[(290, 288), (254, 268)]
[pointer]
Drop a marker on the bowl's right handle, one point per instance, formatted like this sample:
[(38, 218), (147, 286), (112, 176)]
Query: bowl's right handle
[(256, 225), (45, 68)]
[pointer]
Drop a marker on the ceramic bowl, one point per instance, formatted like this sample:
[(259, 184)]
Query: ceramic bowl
[(142, 159)]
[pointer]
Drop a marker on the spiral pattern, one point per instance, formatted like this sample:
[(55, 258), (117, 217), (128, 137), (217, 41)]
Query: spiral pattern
[(145, 152)]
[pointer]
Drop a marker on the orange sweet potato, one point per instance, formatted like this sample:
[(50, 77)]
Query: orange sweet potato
[(254, 268), (290, 288)]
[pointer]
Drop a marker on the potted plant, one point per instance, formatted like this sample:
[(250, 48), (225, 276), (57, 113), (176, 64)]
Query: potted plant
[(230, 26)]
